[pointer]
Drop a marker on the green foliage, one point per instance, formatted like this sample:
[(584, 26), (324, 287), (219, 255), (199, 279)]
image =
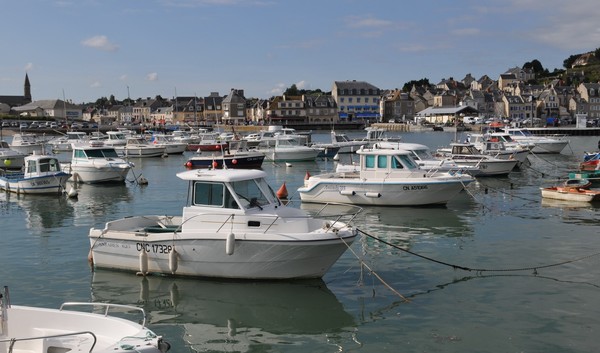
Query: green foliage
[(535, 65), (424, 82), (570, 60)]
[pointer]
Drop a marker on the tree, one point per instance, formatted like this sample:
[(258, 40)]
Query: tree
[(570, 60), (291, 91), (535, 65), (424, 82)]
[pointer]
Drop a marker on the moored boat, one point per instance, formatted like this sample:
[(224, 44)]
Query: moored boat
[(570, 193), (233, 226), (385, 177), (27, 329), (138, 147), (465, 154), (9, 158), (41, 175), (94, 162), (235, 156)]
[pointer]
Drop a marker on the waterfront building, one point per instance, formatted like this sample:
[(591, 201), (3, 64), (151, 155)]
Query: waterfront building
[(234, 107), (590, 99), (356, 100)]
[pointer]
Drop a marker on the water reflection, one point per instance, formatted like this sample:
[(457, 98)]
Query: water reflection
[(97, 200), (228, 316), (41, 211)]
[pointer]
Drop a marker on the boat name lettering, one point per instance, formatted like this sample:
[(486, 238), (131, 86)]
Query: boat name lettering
[(414, 187), (154, 248), (40, 182)]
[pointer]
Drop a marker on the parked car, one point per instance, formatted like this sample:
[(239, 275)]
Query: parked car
[(5, 124), (23, 126), (53, 125), (75, 126), (34, 125)]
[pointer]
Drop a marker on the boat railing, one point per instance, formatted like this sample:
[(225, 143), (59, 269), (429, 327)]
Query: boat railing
[(70, 334), (107, 307)]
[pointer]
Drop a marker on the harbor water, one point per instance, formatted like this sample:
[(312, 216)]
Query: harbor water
[(497, 269)]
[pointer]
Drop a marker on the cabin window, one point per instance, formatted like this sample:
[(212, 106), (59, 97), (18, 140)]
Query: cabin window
[(382, 162), (396, 164), (209, 194), (31, 167), (370, 161), (407, 161), (249, 193), (79, 154)]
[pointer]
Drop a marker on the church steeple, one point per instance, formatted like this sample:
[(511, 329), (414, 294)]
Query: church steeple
[(27, 92)]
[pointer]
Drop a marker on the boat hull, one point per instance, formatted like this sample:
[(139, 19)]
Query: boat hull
[(145, 152), (56, 330), (390, 193), (205, 255), (570, 194), (48, 184), (101, 174), (488, 168)]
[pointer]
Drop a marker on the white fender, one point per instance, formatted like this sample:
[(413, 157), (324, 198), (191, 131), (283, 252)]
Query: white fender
[(173, 263), (143, 263), (230, 244)]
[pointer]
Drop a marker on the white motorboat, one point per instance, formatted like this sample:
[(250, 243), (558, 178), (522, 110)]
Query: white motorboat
[(426, 161), (139, 147), (493, 145), (465, 154), (94, 162), (64, 143), (73, 328), (233, 226), (41, 175), (27, 143), (10, 158), (377, 135), (171, 145), (542, 144), (386, 177), (342, 142), (116, 138), (287, 149)]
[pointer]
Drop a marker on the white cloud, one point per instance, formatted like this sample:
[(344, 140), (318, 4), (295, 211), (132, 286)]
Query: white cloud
[(123, 77), (29, 67), (277, 90), (100, 42), (153, 76), (96, 84), (302, 85)]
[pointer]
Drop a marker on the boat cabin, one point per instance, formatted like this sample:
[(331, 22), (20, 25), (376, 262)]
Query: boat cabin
[(464, 149), (37, 165), (382, 163), (95, 149), (228, 189)]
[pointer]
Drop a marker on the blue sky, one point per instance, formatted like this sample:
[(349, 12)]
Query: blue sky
[(95, 48)]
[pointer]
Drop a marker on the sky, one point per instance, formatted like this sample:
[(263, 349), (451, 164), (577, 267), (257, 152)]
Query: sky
[(83, 50)]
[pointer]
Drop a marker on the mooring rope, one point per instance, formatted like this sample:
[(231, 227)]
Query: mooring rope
[(479, 270)]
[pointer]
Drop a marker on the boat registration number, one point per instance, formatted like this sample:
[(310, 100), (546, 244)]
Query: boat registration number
[(414, 187), (154, 248)]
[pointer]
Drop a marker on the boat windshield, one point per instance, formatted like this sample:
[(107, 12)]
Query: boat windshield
[(98, 153), (404, 161), (250, 192), (423, 154)]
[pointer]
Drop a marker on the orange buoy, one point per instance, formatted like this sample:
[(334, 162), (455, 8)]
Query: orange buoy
[(188, 164), (282, 193), (234, 161), (215, 164), (307, 175)]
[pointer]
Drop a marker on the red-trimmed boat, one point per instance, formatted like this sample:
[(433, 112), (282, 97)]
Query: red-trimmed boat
[(236, 156)]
